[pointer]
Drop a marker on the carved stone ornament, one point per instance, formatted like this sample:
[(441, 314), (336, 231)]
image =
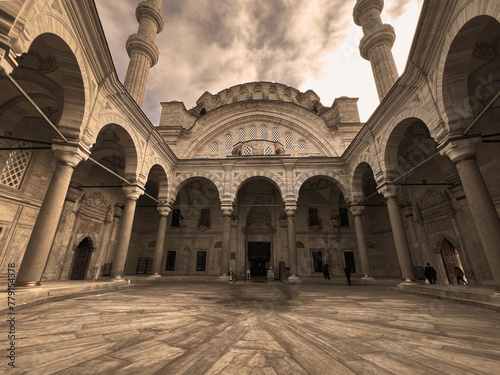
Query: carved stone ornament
[(432, 198)]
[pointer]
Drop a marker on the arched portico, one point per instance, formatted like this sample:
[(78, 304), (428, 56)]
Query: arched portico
[(469, 87)]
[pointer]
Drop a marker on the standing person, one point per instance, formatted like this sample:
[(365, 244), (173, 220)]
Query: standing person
[(347, 271), (430, 274), (326, 271), (460, 275)]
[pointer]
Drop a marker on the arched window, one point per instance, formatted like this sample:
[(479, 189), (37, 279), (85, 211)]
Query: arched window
[(268, 151), (251, 133), (273, 96), (15, 165), (247, 151), (215, 146), (302, 145), (288, 141), (287, 98), (229, 99), (276, 134), (263, 132), (229, 144), (243, 96), (258, 95), (241, 135)]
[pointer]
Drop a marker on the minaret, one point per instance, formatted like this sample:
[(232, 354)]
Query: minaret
[(376, 44), (141, 48)]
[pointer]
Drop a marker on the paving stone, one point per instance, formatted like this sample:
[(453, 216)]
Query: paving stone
[(233, 329)]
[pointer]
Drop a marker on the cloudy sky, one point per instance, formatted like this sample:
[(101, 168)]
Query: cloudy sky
[(210, 45)]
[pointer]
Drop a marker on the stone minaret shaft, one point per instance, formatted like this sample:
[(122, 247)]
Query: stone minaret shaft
[(376, 43), (141, 48)]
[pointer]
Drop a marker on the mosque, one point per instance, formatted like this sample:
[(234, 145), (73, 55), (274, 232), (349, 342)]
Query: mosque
[(259, 180)]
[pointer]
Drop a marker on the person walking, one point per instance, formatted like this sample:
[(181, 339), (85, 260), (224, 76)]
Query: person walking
[(460, 275), (430, 274), (326, 271), (347, 271)]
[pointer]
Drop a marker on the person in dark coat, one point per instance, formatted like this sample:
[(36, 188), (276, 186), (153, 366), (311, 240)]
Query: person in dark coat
[(430, 274), (326, 271), (347, 271), (460, 275)]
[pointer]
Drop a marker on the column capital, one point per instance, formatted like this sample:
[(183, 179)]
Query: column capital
[(290, 211), (70, 154), (460, 149), (227, 210), (356, 210), (164, 210), (389, 191), (133, 191)]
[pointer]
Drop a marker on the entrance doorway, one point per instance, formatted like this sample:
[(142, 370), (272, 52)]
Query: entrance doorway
[(82, 258), (317, 261), (449, 259), (259, 255)]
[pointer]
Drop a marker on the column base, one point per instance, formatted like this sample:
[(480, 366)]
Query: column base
[(28, 284), (409, 281), (155, 277), (117, 279), (368, 278), (294, 279)]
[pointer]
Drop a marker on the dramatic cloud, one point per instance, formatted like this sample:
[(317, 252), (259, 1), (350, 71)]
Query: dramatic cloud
[(397, 8), (209, 46)]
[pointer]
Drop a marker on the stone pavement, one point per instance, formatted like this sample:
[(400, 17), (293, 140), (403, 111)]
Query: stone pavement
[(256, 328)]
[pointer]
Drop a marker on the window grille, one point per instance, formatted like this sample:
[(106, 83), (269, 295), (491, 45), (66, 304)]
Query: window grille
[(247, 151), (263, 132), (252, 133), (229, 100), (241, 135), (289, 141), (302, 144), (258, 95), (276, 134), (243, 96), (268, 151), (273, 96), (215, 147), (15, 166), (287, 98), (229, 143)]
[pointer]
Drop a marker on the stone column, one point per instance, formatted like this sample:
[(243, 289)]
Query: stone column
[(226, 241), (132, 192), (44, 231), (376, 44), (360, 238), (398, 231), (417, 253), (463, 154), (292, 243), (160, 240)]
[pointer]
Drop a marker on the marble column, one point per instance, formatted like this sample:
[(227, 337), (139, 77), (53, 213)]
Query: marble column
[(398, 232), (44, 231), (463, 154), (164, 211), (132, 193), (292, 242), (360, 238), (226, 241)]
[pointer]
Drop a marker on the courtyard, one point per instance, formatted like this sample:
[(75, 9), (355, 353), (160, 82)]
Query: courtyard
[(256, 328)]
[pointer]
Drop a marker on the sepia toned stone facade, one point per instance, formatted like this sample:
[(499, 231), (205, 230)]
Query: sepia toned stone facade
[(258, 177)]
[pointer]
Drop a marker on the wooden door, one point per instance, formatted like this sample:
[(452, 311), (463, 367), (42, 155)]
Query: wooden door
[(448, 255), (81, 262)]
